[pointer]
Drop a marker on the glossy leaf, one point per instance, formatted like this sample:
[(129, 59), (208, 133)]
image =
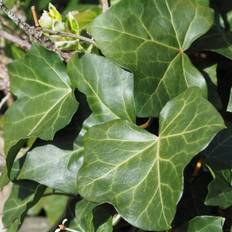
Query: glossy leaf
[(218, 153), (53, 167), (149, 38), (204, 224), (220, 189), (46, 102), (20, 200), (109, 89), (142, 174)]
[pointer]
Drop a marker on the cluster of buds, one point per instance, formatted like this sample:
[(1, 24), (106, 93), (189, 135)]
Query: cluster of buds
[(53, 20)]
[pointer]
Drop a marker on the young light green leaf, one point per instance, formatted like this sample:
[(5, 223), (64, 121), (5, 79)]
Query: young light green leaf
[(203, 224), (109, 89), (20, 200), (53, 167), (149, 38), (220, 189), (142, 174), (46, 102)]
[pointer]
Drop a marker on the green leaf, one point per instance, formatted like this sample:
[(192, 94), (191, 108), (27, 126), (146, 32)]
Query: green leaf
[(211, 79), (216, 40), (106, 227), (4, 180), (218, 153), (149, 38), (54, 207), (46, 102), (220, 189), (84, 216), (109, 89), (142, 174), (229, 107), (20, 200), (53, 167), (204, 224)]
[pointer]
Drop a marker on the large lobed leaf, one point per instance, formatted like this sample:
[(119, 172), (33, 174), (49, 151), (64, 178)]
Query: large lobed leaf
[(109, 89), (142, 174), (149, 38), (45, 103)]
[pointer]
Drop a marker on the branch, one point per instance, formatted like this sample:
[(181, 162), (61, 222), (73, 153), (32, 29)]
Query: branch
[(24, 44), (34, 34), (104, 4), (70, 35)]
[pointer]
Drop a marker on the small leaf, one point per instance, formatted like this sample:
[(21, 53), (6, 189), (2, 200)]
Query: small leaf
[(142, 174), (149, 38), (106, 227), (229, 107), (84, 216), (204, 224), (220, 189), (20, 200), (216, 40), (53, 167), (46, 102), (218, 153)]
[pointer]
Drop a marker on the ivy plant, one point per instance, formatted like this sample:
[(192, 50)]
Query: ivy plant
[(133, 128)]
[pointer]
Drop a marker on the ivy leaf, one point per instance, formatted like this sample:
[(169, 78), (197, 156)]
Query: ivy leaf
[(204, 224), (53, 205), (211, 79), (53, 167), (229, 107), (220, 189), (216, 40), (46, 102), (20, 200), (84, 216), (106, 227), (149, 38), (218, 153), (109, 89), (142, 174)]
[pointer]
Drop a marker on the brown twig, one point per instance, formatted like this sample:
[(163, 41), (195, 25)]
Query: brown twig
[(35, 16), (34, 34), (24, 44), (146, 124), (104, 4)]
